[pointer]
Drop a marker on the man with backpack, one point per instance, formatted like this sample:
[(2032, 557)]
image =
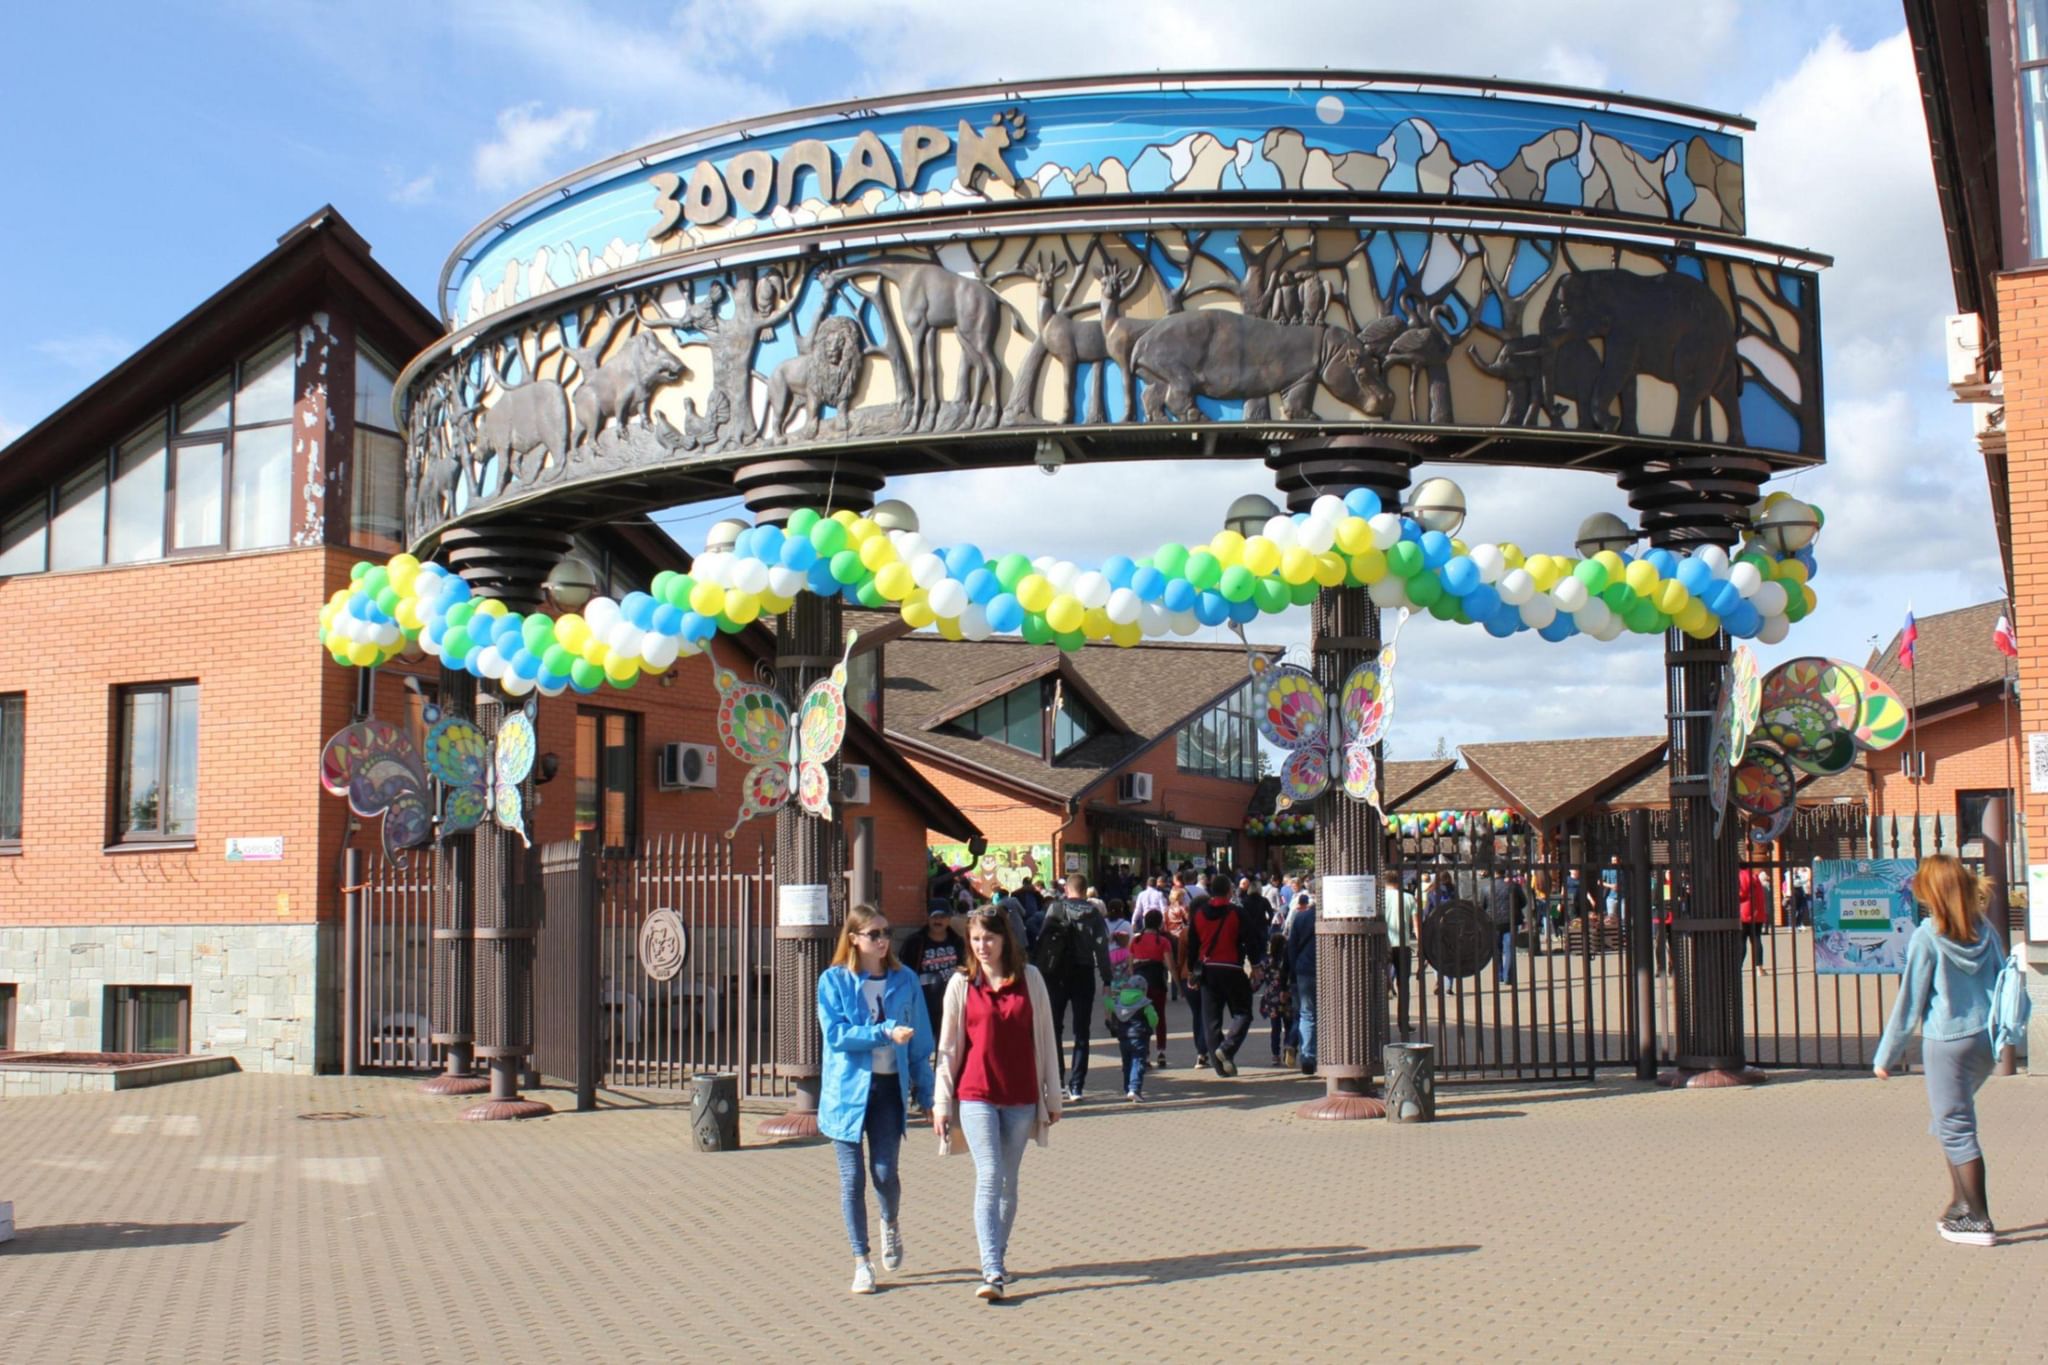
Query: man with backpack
[(1227, 939), (1072, 955)]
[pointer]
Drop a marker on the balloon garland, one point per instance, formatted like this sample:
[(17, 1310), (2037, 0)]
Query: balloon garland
[(1280, 826), (1421, 824), (966, 594)]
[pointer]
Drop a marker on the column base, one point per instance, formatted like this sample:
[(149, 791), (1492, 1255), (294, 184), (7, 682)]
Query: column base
[(797, 1123), (1714, 1078), (492, 1110), (1340, 1103), (455, 1085)]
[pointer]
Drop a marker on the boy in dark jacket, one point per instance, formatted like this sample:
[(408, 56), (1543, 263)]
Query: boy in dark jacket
[(1127, 1009), (1227, 940)]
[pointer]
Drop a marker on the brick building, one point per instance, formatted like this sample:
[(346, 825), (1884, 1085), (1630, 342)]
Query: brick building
[(168, 862)]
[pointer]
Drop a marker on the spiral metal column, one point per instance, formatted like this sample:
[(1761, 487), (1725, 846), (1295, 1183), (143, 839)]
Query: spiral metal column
[(451, 961)]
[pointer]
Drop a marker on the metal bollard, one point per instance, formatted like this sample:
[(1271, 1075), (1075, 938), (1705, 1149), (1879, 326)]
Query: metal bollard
[(715, 1112), (1411, 1082)]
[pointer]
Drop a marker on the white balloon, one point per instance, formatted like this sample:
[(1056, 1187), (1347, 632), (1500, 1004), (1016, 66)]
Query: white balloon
[(1316, 536), (1280, 530), (1391, 591), (714, 566), (927, 570), (1516, 587), (512, 685), (1570, 594), (488, 662), (1490, 562), (750, 575), (1539, 611), (1043, 563), (1612, 630), (1092, 588), (659, 651), (1386, 531), (1745, 579), (1183, 623), (1593, 617), (1769, 599), (625, 638), (1715, 558), (785, 582), (1154, 619), (600, 612), (948, 597), (1773, 630), (387, 634), (1329, 507), (1062, 575), (909, 544), (974, 622), (1122, 605)]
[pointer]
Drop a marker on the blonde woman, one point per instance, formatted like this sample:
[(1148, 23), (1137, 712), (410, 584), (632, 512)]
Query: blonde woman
[(998, 1079), (878, 1049), (1952, 965)]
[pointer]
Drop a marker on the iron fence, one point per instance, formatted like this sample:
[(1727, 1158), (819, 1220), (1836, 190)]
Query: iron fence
[(393, 930)]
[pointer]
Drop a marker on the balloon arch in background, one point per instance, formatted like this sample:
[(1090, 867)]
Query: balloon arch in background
[(1344, 276)]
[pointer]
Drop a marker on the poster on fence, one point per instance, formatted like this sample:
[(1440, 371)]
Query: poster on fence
[(1863, 913)]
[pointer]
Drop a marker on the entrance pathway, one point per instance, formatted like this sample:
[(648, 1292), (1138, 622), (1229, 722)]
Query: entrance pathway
[(209, 1220)]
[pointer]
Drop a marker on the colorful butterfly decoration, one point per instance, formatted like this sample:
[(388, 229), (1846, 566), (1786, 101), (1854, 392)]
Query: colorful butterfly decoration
[(1293, 712), (1809, 715), (754, 726), (374, 765), (481, 779)]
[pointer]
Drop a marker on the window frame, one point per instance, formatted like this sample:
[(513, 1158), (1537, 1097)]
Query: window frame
[(10, 845), (1221, 742), (609, 844), (1966, 794), (10, 993), (119, 838), (121, 1018)]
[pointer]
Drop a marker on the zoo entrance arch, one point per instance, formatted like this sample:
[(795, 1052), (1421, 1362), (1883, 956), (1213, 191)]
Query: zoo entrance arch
[(1341, 275)]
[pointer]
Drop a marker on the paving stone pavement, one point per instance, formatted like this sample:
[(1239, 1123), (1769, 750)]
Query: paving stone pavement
[(207, 1221)]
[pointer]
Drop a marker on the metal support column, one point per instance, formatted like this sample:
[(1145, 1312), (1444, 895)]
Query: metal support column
[(507, 883), (451, 966), (1641, 948)]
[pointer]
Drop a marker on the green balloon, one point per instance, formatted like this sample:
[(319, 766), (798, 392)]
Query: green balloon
[(728, 626), (679, 589), (1405, 559), (846, 565), (1273, 596), (1237, 583), (801, 521), (626, 686), (1461, 616), (1795, 603), (585, 673), (1071, 640), (1593, 574), (557, 661), (1203, 570), (387, 600), (658, 589), (1301, 594), (1036, 631), (1011, 570), (538, 632), (456, 644), (828, 538), (871, 596), (358, 569), (375, 581), (1445, 608), (1425, 589), (1172, 559), (459, 614), (1620, 597)]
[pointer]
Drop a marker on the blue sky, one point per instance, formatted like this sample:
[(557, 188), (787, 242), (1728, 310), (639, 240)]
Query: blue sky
[(156, 150)]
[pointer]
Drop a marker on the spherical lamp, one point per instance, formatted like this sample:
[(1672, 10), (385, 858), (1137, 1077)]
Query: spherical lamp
[(1604, 531), (1249, 515), (1438, 505)]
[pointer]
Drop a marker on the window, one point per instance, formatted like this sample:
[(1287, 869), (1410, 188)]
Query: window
[(12, 741), (1017, 718), (231, 460), (260, 506), (6, 1016), (156, 794), (607, 786), (78, 533), (136, 530), (148, 1019), (196, 495), (377, 492), (24, 540), (1970, 815), (863, 686), (1223, 741), (2033, 69), (1072, 722)]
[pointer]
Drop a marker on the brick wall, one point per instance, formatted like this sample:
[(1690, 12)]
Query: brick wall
[(1967, 752), (2023, 349)]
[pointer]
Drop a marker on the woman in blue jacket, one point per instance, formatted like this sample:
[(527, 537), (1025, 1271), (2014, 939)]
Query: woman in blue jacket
[(1952, 965), (878, 1051)]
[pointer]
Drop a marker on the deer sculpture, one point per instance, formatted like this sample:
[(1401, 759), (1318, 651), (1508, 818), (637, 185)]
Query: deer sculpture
[(1065, 338)]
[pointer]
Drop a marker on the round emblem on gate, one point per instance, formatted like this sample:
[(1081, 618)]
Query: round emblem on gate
[(1458, 940), (664, 946)]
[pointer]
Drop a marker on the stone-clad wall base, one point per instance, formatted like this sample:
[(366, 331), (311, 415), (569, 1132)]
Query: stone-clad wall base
[(254, 986)]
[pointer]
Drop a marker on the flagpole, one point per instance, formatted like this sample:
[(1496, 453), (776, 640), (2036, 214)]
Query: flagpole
[(2005, 707), (1913, 727)]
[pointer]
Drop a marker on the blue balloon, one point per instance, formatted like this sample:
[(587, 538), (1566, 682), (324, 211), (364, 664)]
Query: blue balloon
[(1460, 575), (743, 545), (850, 593), (638, 609), (1560, 629), (1180, 595), (1745, 620), (1244, 611), (1362, 502), (1722, 598), (1119, 570), (668, 620), (526, 664), (798, 553), (1410, 530), (1666, 562), (1502, 624), (1005, 613), (552, 681), (1482, 602), (767, 543), (1693, 576), (963, 560), (820, 577), (982, 585), (1212, 609), (696, 628), (1436, 549), (1148, 583)]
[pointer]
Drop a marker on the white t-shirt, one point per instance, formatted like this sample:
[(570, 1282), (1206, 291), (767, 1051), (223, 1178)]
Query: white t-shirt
[(885, 1055)]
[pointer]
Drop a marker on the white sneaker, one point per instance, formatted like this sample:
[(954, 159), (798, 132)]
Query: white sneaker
[(863, 1276), (989, 1290), (892, 1247)]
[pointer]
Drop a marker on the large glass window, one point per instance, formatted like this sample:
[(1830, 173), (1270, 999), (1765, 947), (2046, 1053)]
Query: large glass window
[(78, 532), (2032, 19), (607, 787), (260, 506), (24, 540), (136, 530), (197, 494), (1017, 718), (231, 461), (1072, 722), (147, 1019), (377, 492), (12, 743), (156, 767), (1223, 741)]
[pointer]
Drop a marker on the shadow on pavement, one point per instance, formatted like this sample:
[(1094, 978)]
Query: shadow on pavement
[(1119, 1275), (32, 1241), (2009, 1236)]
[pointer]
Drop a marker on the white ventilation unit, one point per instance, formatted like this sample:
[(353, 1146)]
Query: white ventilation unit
[(855, 784), (1134, 789), (686, 767)]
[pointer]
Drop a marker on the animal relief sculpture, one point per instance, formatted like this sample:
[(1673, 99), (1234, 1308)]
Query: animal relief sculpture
[(1667, 326), (617, 390), (1214, 354), (823, 373), (932, 299)]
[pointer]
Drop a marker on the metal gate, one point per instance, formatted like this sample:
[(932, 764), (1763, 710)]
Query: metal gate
[(389, 935)]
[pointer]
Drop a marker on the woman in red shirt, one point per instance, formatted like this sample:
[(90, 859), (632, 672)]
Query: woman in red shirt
[(998, 1078)]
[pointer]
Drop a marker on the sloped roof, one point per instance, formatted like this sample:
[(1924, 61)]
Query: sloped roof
[(1550, 779), (1153, 689), (1952, 657), (1399, 778), (1456, 789)]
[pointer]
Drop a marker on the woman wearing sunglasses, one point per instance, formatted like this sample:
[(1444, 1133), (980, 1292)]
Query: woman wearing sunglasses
[(998, 1078), (878, 1049)]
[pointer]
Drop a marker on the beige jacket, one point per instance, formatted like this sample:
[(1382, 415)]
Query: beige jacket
[(952, 1055)]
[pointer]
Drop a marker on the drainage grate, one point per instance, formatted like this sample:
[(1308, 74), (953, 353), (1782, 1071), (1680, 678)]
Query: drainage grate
[(331, 1116)]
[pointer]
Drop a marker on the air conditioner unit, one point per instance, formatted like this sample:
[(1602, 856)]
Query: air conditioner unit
[(855, 785), (687, 766), (1965, 350), (1134, 789)]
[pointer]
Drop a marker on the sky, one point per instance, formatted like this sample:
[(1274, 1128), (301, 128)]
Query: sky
[(157, 150)]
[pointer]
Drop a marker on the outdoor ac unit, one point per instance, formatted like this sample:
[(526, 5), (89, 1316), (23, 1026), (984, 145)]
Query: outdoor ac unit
[(854, 784), (1134, 789), (1965, 348), (687, 766)]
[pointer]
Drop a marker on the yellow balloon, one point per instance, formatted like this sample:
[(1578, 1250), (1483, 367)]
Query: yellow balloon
[(596, 651), (1671, 597), (1612, 562), (1694, 616), (1459, 547), (570, 631), (620, 668), (407, 615), (1262, 556), (949, 626), (894, 581), (1035, 592), (1228, 547), (1812, 600), (1354, 535), (1641, 577), (846, 517), (1126, 635), (741, 607), (1541, 568), (1703, 632), (490, 606), (1065, 613), (917, 613), (1790, 571), (1095, 623), (876, 551), (774, 605), (362, 655), (707, 599), (1297, 566), (860, 530), (1329, 570), (1369, 566), (1511, 555)]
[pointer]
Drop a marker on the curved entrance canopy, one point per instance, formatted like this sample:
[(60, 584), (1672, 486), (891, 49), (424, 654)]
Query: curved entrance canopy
[(1130, 268)]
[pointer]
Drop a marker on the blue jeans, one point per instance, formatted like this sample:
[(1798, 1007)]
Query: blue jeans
[(1507, 955), (1132, 1041), (883, 1129), (996, 1134), (1305, 1011)]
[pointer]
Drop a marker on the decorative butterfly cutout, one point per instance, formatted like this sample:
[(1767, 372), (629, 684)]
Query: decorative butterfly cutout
[(754, 726), (374, 765), (482, 779), (1293, 712)]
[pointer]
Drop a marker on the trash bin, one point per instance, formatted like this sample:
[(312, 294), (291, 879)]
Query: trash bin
[(715, 1112), (1411, 1082)]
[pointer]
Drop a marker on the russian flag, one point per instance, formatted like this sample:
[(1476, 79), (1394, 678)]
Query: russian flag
[(1906, 639), (2002, 636)]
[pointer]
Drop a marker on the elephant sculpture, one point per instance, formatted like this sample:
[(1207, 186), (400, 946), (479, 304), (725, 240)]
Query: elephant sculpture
[(1670, 327)]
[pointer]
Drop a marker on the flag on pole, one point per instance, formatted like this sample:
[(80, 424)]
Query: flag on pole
[(2002, 636), (1906, 639)]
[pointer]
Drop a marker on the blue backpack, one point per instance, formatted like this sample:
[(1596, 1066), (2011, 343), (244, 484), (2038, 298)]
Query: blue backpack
[(2011, 1006)]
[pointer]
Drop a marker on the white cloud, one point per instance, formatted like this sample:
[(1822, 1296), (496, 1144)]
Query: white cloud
[(529, 145), (416, 190)]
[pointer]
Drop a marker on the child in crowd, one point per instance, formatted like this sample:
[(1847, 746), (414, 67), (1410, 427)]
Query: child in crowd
[(1127, 1009), (1119, 949), (1153, 955)]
